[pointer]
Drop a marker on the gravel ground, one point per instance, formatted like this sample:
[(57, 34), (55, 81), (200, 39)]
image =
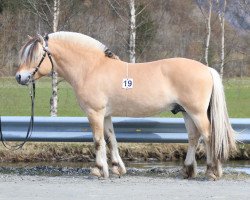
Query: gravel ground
[(16, 187)]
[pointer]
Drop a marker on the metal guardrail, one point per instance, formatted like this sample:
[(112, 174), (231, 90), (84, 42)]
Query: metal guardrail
[(77, 129)]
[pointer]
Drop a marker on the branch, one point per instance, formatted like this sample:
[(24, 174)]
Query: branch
[(48, 6), (143, 9), (202, 12), (123, 20)]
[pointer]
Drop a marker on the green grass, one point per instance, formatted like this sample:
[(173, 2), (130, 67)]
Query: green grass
[(15, 100)]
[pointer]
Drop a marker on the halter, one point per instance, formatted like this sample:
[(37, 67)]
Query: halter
[(32, 97), (46, 51)]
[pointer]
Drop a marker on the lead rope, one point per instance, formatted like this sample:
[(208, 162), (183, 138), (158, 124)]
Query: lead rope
[(32, 96), (31, 123)]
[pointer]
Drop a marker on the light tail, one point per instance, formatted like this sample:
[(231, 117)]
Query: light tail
[(222, 133)]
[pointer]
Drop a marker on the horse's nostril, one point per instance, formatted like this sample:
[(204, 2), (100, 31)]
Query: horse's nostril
[(18, 78)]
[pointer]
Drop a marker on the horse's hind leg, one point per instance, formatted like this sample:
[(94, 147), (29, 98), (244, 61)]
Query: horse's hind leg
[(189, 170), (118, 166), (214, 169), (96, 120)]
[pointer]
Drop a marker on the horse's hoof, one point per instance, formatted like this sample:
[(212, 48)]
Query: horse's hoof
[(95, 172), (211, 176), (188, 172), (184, 173), (118, 171), (214, 172), (115, 170)]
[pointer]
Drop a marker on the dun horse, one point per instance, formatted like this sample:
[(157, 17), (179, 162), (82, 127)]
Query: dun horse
[(105, 86)]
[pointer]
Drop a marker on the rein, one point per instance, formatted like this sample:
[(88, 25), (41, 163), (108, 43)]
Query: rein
[(31, 123), (32, 97)]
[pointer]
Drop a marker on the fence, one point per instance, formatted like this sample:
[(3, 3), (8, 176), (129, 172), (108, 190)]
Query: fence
[(77, 129)]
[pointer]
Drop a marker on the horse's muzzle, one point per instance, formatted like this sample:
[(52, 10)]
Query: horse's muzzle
[(23, 78)]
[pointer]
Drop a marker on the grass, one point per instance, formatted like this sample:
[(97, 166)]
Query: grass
[(15, 101), (85, 152)]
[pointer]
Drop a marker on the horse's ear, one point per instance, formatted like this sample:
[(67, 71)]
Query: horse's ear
[(29, 37), (41, 40)]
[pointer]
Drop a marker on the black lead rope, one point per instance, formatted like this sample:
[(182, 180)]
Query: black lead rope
[(31, 123), (32, 96)]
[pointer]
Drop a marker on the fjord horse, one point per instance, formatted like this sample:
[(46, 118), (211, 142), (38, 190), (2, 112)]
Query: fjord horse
[(105, 86)]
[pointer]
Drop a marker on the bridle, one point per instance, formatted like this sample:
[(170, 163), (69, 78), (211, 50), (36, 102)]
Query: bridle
[(32, 97), (46, 52)]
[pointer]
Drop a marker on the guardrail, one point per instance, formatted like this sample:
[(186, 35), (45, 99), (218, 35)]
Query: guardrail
[(77, 129)]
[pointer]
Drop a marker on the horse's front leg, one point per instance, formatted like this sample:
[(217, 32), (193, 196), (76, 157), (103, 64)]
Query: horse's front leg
[(118, 166), (96, 120)]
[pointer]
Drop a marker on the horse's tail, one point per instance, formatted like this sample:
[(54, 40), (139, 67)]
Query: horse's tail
[(223, 135)]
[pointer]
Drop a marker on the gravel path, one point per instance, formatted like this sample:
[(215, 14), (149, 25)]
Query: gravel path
[(16, 187)]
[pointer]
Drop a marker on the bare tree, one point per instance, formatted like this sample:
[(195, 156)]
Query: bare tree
[(221, 13), (132, 34), (56, 12), (208, 31), (43, 10), (207, 16), (54, 95), (129, 19), (50, 14)]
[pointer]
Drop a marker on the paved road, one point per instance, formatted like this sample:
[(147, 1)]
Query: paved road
[(14, 187)]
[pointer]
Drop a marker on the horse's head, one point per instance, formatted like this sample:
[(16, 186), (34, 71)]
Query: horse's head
[(30, 56)]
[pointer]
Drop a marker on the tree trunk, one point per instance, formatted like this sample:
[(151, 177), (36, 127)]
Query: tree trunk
[(132, 33), (222, 24), (54, 96), (208, 32)]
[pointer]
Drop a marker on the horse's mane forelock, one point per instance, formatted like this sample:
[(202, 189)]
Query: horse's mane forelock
[(29, 51)]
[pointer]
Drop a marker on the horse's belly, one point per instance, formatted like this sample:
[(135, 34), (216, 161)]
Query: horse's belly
[(141, 107), (148, 109)]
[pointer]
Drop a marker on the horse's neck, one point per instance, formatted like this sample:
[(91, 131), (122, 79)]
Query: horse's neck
[(73, 67)]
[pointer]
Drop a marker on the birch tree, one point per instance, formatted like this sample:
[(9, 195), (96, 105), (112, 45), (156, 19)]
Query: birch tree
[(221, 13), (54, 96), (207, 16), (208, 31), (130, 21), (132, 34), (49, 12)]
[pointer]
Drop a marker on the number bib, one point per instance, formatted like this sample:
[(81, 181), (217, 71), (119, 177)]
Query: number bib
[(127, 83)]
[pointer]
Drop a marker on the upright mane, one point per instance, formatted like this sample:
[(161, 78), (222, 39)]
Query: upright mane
[(85, 40)]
